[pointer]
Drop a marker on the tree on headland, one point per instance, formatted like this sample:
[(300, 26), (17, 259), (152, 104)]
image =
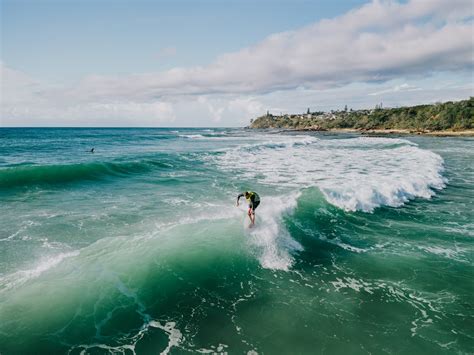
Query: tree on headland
[(435, 117)]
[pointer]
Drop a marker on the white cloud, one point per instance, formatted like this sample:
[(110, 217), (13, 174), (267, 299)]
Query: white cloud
[(396, 88), (215, 112), (25, 101), (379, 41), (376, 43), (16, 86)]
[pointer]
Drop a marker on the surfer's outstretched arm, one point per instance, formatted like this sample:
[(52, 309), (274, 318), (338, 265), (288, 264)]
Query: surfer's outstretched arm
[(238, 198)]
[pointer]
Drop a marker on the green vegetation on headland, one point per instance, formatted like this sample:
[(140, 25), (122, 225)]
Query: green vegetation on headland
[(440, 117)]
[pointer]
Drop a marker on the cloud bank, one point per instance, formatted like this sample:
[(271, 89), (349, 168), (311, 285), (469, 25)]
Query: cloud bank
[(376, 43)]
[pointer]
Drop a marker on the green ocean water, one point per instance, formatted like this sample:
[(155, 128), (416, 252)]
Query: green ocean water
[(362, 244)]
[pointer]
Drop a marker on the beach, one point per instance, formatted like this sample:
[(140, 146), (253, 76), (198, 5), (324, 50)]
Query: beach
[(361, 245)]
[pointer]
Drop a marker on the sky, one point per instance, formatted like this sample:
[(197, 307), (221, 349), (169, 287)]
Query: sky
[(103, 63)]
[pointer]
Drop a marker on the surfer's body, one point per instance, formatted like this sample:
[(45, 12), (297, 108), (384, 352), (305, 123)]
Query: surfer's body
[(253, 200)]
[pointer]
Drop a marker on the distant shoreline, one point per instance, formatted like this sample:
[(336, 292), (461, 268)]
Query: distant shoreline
[(442, 133), (449, 119)]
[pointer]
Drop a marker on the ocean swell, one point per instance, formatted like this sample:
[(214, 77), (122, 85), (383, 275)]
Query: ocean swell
[(57, 174)]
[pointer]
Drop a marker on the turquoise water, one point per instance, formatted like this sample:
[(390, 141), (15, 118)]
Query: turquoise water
[(362, 244)]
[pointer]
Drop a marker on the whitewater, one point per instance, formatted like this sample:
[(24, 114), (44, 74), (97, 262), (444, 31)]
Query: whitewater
[(361, 243)]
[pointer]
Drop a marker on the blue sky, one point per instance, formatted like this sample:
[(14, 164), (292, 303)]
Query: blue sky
[(220, 63), (64, 40)]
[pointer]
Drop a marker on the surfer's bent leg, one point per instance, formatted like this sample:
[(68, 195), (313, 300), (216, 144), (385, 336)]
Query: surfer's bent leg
[(250, 212)]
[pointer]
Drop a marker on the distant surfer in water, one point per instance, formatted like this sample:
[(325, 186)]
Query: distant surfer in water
[(253, 200), (92, 150)]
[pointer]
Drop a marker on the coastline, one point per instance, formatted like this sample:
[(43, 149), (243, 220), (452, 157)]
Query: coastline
[(449, 119), (443, 133)]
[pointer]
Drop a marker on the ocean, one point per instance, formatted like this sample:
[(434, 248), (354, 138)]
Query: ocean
[(361, 245)]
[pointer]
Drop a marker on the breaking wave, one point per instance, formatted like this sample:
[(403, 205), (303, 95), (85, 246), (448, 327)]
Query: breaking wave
[(269, 239), (356, 174)]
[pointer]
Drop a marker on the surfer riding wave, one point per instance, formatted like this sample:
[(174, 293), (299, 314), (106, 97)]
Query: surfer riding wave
[(253, 200)]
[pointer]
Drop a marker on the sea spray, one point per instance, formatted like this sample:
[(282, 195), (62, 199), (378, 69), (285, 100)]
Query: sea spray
[(22, 276), (271, 242), (353, 174)]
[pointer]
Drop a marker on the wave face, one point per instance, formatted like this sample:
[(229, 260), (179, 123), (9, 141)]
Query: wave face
[(59, 174), (140, 248), (269, 239)]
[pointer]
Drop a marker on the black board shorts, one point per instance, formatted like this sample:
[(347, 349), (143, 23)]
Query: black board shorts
[(254, 205)]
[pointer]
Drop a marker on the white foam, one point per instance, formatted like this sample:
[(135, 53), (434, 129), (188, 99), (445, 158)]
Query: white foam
[(449, 253), (354, 284), (274, 141), (456, 253), (20, 277), (191, 136), (214, 349), (354, 174), (269, 238), (174, 335)]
